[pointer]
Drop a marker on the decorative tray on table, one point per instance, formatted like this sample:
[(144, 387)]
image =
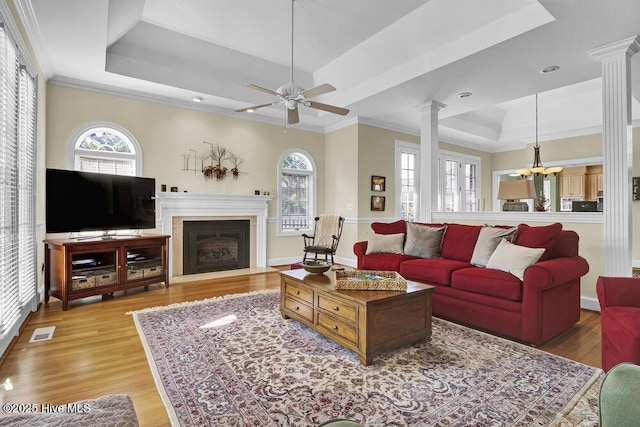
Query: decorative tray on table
[(369, 280)]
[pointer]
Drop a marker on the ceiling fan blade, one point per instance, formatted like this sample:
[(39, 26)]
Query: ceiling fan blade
[(318, 90), (254, 107), (326, 107), (261, 89), (292, 116)]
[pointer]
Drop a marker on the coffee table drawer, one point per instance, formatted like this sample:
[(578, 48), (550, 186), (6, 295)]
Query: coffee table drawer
[(338, 308), (299, 292), (338, 328), (299, 308)]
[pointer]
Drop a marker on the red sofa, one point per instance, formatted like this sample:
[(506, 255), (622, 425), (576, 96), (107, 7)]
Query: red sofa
[(532, 310), (619, 299)]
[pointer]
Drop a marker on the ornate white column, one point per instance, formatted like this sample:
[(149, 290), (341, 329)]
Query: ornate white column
[(428, 159), (617, 150)]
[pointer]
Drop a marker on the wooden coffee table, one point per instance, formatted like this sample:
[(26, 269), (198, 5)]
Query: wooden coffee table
[(367, 322)]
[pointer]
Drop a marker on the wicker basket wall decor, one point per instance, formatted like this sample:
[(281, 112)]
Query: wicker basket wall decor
[(369, 280)]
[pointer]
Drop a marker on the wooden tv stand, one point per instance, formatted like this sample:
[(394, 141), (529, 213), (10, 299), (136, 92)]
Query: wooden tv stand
[(76, 269)]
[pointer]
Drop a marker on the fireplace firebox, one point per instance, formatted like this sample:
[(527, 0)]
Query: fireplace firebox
[(215, 245)]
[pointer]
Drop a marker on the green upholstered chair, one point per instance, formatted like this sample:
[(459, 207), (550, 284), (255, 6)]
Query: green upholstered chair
[(340, 422), (619, 397)]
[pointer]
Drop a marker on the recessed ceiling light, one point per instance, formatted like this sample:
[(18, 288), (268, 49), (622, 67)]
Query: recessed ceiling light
[(549, 69), (464, 95), (198, 99)]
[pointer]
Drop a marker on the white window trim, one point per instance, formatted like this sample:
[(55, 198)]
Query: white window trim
[(77, 133), (314, 189), (411, 148), (460, 158), (404, 146)]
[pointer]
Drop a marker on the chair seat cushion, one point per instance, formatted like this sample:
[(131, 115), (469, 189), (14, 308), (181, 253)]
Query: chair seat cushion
[(319, 249)]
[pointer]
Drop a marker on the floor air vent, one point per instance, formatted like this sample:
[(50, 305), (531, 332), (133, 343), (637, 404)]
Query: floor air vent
[(42, 334)]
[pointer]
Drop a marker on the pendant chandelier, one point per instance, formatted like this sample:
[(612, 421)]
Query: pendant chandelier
[(537, 168)]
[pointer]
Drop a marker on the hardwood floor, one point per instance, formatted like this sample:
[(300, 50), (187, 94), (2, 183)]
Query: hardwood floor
[(96, 350)]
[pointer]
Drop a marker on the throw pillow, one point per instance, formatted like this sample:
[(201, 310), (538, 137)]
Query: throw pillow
[(513, 259), (389, 227), (488, 240), (423, 241), (385, 243), (538, 237)]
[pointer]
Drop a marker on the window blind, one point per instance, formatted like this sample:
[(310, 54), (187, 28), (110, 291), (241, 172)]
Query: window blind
[(111, 166), (18, 285)]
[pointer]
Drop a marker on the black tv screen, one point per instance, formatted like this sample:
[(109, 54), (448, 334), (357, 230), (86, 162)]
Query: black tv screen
[(84, 201)]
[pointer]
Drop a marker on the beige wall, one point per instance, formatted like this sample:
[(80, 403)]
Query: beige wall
[(565, 149), (167, 132), (342, 184)]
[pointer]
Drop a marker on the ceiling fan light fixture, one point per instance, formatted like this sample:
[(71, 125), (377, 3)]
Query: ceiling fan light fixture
[(290, 95)]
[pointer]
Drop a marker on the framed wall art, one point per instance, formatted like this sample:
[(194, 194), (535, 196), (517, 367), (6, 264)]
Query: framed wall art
[(377, 183), (377, 203)]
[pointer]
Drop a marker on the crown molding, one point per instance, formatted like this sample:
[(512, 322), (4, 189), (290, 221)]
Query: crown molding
[(142, 96), (388, 126), (628, 46)]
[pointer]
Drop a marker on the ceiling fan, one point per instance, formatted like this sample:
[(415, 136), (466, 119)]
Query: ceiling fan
[(292, 95)]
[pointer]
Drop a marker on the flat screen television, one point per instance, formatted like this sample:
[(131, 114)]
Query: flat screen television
[(84, 201)]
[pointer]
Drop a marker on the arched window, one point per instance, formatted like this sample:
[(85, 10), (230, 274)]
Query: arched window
[(105, 148), (297, 192)]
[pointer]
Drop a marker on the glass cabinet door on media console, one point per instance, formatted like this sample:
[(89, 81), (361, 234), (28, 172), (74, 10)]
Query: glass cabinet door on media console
[(81, 268)]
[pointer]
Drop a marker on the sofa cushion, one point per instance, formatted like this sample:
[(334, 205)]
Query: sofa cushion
[(488, 240), (488, 282), (386, 262), (389, 243), (513, 259), (432, 271), (423, 240), (538, 237), (389, 227), (459, 240)]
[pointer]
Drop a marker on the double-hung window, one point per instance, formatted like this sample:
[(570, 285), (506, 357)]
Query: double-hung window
[(18, 278), (297, 191)]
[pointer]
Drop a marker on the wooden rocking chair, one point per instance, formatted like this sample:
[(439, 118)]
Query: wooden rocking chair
[(325, 238)]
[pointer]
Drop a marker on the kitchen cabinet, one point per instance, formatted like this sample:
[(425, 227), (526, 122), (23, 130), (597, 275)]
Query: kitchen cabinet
[(594, 182), (572, 185)]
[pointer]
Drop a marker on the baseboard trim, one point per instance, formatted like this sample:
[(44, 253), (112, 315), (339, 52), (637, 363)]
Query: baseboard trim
[(589, 303)]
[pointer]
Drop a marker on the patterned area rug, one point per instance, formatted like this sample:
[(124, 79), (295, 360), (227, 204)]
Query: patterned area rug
[(234, 361)]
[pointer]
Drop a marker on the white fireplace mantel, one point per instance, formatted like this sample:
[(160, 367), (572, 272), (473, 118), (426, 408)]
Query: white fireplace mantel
[(213, 205)]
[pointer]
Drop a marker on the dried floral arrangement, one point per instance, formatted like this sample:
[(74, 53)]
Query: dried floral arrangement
[(212, 162)]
